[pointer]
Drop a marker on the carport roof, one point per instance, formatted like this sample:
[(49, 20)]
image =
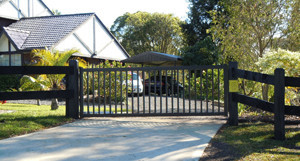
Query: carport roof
[(154, 58)]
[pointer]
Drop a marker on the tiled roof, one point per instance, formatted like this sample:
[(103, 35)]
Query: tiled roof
[(17, 36), (43, 31)]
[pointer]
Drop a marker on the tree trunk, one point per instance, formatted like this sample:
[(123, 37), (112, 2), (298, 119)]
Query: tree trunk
[(38, 102), (54, 104), (265, 91)]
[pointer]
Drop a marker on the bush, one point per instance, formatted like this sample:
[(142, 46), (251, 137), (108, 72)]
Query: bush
[(290, 62), (97, 79), (9, 82), (202, 84)]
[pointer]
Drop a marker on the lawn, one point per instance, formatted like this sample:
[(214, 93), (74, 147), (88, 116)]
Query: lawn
[(255, 141), (27, 118)]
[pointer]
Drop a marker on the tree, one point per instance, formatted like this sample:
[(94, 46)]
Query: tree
[(201, 49), (56, 12), (247, 30), (199, 20), (204, 52), (290, 39), (45, 57), (141, 31), (290, 62)]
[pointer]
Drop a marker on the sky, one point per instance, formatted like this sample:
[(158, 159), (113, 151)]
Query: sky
[(109, 10)]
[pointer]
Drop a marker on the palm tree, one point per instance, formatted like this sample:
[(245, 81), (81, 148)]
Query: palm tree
[(46, 57), (29, 83)]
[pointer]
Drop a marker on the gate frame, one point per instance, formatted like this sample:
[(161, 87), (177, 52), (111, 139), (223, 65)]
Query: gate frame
[(223, 67)]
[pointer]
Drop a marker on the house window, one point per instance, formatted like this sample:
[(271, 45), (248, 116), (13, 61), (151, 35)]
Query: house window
[(16, 60), (4, 60)]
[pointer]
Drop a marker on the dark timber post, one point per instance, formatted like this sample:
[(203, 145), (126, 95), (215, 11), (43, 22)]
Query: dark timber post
[(279, 104), (72, 84), (232, 105)]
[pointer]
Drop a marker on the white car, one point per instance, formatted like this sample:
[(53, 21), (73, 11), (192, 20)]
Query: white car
[(136, 82)]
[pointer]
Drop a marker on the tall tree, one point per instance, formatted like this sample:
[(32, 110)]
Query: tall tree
[(142, 31), (199, 20), (204, 52), (201, 49), (249, 31), (290, 39)]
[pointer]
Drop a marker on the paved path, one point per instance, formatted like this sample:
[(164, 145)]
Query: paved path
[(147, 138)]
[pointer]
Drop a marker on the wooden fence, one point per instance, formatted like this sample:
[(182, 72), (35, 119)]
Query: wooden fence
[(70, 94), (278, 107)]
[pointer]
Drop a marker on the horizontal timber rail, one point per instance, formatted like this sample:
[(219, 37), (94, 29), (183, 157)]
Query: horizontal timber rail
[(36, 95), (195, 67), (278, 107), (23, 70), (254, 76), (70, 94)]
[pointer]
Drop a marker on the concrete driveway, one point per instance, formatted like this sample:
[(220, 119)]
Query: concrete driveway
[(138, 138)]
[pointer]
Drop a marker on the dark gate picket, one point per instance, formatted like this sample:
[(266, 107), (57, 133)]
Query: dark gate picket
[(108, 91)]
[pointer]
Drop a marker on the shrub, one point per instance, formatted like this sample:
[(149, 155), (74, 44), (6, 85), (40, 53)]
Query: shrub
[(207, 85), (9, 82), (93, 81)]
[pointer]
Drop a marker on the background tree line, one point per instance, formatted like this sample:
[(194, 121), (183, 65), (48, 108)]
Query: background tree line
[(219, 31)]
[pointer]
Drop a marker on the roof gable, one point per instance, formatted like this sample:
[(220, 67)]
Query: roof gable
[(44, 31), (17, 36)]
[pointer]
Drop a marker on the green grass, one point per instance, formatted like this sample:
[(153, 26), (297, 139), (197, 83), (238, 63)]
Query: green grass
[(255, 141), (28, 118)]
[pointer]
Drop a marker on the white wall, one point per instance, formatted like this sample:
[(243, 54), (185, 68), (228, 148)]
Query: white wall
[(7, 10), (4, 44), (32, 9), (72, 43), (105, 48)]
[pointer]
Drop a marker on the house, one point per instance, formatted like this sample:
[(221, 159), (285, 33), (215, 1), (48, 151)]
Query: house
[(16, 9), (29, 24), (13, 10), (84, 32)]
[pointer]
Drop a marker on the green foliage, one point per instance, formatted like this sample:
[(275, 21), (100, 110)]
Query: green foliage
[(141, 31), (45, 57), (290, 62), (292, 35), (29, 83), (207, 85), (199, 20), (56, 12), (204, 52), (95, 81), (9, 82), (248, 28)]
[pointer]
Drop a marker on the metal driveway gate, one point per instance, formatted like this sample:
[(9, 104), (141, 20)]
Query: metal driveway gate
[(153, 91)]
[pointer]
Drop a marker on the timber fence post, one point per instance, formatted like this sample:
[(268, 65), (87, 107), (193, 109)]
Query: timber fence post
[(279, 93), (72, 84), (232, 105)]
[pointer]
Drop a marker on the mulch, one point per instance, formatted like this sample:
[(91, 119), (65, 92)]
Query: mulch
[(219, 151)]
